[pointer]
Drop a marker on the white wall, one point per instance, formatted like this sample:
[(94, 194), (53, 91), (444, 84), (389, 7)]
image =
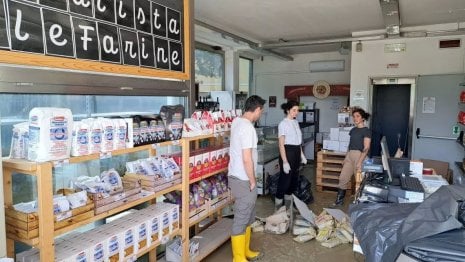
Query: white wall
[(271, 75), (422, 57)]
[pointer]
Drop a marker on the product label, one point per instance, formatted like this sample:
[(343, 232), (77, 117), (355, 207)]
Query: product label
[(113, 245), (142, 231), (175, 215), (82, 137), (166, 220), (82, 257), (98, 253), (109, 133), (96, 136), (155, 225), (129, 238)]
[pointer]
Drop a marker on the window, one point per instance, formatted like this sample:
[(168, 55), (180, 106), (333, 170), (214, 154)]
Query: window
[(209, 70), (245, 75)]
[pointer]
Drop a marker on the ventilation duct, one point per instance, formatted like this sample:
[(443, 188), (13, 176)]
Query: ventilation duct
[(391, 16)]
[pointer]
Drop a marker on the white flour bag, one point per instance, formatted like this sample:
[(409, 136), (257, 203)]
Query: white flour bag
[(50, 132), (108, 134), (80, 141)]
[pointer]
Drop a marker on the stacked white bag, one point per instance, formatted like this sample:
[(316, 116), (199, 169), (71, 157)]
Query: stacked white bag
[(50, 133)]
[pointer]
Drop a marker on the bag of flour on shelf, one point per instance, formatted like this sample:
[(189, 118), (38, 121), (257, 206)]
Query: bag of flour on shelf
[(50, 131), (108, 134), (173, 118), (80, 140), (119, 139), (19, 140), (95, 135)]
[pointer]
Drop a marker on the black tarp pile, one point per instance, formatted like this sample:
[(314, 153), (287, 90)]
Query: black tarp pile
[(384, 229), (303, 191)]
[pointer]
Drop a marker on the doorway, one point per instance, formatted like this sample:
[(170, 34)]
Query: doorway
[(392, 105)]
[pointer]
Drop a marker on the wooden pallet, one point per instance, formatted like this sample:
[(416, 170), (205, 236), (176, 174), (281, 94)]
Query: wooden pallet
[(329, 167)]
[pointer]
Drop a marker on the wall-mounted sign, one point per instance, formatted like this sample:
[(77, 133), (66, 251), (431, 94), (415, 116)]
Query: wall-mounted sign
[(395, 47), (145, 33)]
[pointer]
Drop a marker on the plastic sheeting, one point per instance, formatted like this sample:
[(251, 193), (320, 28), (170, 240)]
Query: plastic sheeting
[(448, 246), (384, 229)]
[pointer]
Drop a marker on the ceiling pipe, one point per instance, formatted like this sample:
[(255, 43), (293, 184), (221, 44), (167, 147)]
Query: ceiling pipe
[(322, 41), (250, 43)]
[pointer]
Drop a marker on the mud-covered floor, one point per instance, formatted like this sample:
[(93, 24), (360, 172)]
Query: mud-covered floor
[(282, 247)]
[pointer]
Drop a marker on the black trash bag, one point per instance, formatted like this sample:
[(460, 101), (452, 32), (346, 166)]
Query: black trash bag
[(272, 184), (304, 190), (461, 212)]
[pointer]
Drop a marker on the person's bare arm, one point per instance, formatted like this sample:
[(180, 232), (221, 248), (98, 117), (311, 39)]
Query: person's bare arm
[(248, 166), (366, 148), (282, 150)]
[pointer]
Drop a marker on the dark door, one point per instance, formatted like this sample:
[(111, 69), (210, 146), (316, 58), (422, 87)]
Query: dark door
[(390, 118)]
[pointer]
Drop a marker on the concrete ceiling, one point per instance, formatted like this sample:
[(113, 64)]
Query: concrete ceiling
[(279, 23)]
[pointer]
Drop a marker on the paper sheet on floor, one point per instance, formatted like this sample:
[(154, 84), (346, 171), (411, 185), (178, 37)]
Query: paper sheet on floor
[(304, 211), (337, 214)]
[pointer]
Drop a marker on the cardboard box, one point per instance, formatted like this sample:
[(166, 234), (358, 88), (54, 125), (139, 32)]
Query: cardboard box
[(198, 164), (206, 163), (344, 136), (334, 133), (225, 157), (331, 145), (219, 159), (213, 162), (343, 146)]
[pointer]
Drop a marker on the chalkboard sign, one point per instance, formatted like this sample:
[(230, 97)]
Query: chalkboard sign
[(129, 47), (105, 10), (109, 43), (174, 24), (146, 33), (3, 31), (60, 4), (162, 53), (158, 20), (124, 14), (81, 7), (142, 14), (58, 33), (26, 28), (175, 56), (146, 49), (85, 37)]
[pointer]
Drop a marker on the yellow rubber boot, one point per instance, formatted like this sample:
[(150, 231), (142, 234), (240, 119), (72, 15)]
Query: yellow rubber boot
[(249, 254), (238, 248)]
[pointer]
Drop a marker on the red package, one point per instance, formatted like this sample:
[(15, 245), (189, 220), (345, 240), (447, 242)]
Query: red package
[(462, 96)]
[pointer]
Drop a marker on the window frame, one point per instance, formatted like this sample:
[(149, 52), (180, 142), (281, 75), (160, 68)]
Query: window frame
[(216, 50), (250, 73)]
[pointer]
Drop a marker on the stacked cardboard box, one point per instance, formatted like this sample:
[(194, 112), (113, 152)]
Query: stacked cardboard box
[(338, 139), (119, 240)]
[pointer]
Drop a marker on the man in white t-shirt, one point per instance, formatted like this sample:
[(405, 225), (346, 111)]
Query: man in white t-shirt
[(241, 177)]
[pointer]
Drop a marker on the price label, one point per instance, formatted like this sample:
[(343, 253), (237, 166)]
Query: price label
[(105, 155)]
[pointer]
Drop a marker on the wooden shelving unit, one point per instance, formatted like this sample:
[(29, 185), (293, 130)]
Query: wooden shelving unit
[(208, 175), (209, 241), (43, 173), (328, 169)]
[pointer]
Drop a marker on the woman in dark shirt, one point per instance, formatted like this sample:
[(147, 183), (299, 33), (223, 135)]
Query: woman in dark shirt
[(359, 145)]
